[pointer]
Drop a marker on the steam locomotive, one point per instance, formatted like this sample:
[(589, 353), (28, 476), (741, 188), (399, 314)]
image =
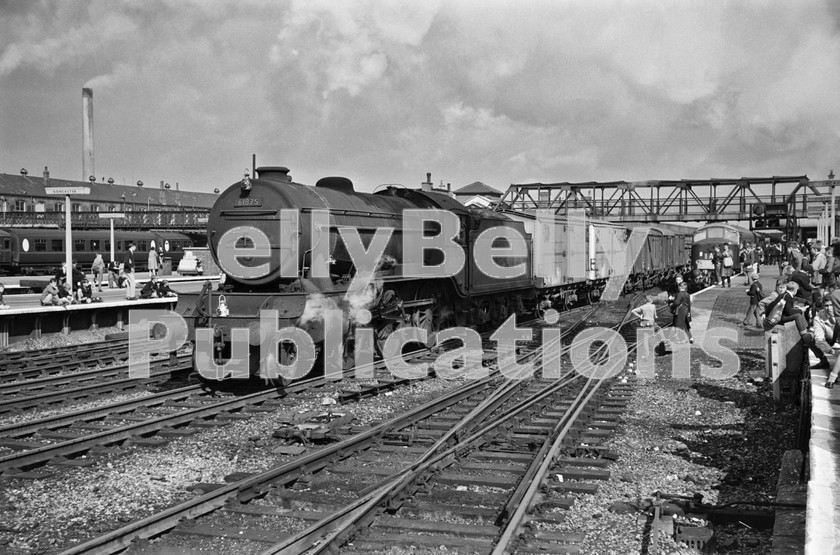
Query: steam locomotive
[(287, 247)]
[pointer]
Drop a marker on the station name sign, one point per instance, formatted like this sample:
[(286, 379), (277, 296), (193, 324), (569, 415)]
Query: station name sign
[(112, 215), (67, 190)]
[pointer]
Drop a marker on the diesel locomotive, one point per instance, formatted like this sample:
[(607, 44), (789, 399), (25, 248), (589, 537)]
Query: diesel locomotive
[(290, 248)]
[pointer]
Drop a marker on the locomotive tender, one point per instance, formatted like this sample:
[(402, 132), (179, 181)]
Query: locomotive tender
[(274, 238)]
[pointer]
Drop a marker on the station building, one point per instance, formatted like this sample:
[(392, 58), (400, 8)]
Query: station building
[(22, 194)]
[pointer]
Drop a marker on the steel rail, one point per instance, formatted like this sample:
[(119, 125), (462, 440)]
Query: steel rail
[(96, 413), (55, 397), (61, 379), (253, 486), (248, 488), (80, 445), (363, 509), (527, 490), (340, 524), (31, 356)]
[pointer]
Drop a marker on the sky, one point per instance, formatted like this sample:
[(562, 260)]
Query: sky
[(513, 91)]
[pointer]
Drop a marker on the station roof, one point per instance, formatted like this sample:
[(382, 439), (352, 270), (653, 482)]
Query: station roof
[(478, 188), (20, 185)]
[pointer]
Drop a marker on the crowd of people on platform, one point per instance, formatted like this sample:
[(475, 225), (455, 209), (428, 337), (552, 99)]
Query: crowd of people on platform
[(723, 260), (807, 293), (78, 289)]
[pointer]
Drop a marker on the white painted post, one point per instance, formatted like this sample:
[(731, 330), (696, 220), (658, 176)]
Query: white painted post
[(68, 239), (112, 216), (68, 214)]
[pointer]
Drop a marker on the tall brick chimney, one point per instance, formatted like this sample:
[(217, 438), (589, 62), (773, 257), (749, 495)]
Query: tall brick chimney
[(88, 168)]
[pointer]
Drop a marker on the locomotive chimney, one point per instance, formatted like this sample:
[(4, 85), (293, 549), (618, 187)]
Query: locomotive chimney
[(427, 185), (87, 134)]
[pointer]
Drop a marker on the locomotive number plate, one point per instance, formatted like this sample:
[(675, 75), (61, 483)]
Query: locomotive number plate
[(249, 201)]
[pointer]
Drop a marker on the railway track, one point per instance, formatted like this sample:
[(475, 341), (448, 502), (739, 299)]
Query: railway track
[(148, 420), (41, 362), (418, 424), (57, 389)]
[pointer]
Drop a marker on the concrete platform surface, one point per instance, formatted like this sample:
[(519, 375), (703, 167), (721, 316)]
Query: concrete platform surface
[(822, 525), (31, 303), (726, 307)]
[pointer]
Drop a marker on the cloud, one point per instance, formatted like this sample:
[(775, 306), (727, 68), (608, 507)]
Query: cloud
[(349, 46), (496, 91), (48, 45)]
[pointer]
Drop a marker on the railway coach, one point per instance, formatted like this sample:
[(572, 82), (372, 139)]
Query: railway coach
[(28, 251)]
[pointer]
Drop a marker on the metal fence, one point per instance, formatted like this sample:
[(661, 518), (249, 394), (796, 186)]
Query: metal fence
[(175, 220)]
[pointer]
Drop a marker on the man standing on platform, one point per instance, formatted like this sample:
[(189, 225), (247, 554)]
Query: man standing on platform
[(794, 255), (128, 268), (749, 265), (818, 261), (98, 271)]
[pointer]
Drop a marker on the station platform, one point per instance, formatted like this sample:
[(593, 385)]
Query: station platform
[(726, 307), (822, 525), (27, 319), (23, 284)]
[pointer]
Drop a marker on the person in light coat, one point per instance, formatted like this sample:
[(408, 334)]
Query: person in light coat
[(98, 271), (153, 262)]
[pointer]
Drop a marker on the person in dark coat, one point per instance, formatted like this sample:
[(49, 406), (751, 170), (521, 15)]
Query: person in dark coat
[(84, 294), (164, 290), (681, 309), (128, 268), (806, 293), (717, 262), (790, 313), (728, 263), (756, 293), (149, 290)]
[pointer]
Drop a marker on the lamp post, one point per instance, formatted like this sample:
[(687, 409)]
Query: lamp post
[(833, 206)]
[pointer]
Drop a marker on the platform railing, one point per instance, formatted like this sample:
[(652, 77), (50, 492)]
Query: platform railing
[(168, 219)]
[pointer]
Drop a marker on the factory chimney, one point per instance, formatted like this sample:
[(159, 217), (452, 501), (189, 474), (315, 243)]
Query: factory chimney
[(87, 134)]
